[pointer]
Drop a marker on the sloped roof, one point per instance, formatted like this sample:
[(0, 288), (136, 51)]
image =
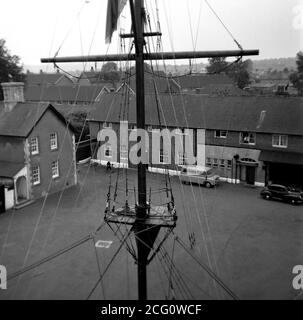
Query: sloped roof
[(234, 113), (21, 120), (10, 169), (222, 89), (92, 76), (195, 81), (163, 85), (44, 78), (62, 93)]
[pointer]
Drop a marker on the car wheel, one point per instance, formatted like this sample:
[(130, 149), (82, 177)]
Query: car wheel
[(207, 184), (267, 197), (293, 202)]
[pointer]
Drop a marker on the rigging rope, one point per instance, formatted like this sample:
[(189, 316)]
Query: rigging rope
[(208, 270), (224, 26)]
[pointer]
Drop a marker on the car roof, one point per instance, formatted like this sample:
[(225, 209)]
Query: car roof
[(277, 185), (199, 168)]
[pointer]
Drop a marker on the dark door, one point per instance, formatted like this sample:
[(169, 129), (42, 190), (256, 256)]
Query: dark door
[(250, 175), (2, 199)]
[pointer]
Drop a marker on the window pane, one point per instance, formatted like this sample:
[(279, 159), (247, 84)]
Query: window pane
[(34, 146), (208, 161), (55, 169), (222, 163), (53, 141), (36, 175), (284, 141)]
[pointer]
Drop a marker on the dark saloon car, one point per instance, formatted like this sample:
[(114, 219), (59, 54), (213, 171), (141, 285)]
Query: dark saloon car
[(277, 191)]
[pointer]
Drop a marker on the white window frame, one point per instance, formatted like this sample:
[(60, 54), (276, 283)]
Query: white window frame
[(280, 137), (107, 125), (221, 135), (36, 175), (53, 137), (215, 163), (179, 131), (229, 164), (123, 152), (55, 169), (208, 162), (164, 156), (248, 142), (221, 163), (182, 158), (34, 144)]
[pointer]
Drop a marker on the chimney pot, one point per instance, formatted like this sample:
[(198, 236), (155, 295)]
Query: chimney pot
[(13, 93)]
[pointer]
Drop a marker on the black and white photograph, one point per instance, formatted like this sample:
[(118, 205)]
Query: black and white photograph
[(151, 150)]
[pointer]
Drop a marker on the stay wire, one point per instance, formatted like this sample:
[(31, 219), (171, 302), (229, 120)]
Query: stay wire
[(208, 270)]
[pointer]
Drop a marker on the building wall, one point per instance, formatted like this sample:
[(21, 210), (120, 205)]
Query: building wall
[(237, 171), (263, 141), (9, 198), (12, 149), (64, 154), (215, 148)]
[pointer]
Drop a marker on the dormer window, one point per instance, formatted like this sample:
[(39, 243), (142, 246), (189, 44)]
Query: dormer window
[(107, 125), (221, 134), (248, 138), (280, 141)]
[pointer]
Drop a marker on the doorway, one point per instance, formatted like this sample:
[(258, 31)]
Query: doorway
[(250, 175), (21, 189), (2, 199)]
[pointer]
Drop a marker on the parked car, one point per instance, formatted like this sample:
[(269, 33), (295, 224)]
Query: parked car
[(200, 175), (277, 191)]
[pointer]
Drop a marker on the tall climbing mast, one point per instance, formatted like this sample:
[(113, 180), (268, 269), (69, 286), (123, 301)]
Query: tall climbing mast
[(144, 219)]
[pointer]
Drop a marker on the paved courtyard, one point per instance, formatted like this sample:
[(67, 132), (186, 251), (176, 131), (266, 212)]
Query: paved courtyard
[(251, 243)]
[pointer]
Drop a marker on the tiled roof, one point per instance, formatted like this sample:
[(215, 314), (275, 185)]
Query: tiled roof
[(20, 121), (63, 93), (44, 78), (195, 81), (234, 113), (222, 90), (10, 169), (163, 85)]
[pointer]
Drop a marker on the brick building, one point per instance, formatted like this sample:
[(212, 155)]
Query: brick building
[(37, 150), (250, 139)]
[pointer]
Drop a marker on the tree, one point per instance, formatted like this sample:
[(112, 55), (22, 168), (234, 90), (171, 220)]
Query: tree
[(147, 68), (296, 78), (110, 72), (216, 65), (10, 70), (109, 67), (239, 72)]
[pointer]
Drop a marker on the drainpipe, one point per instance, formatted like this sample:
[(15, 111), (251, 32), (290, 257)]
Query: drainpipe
[(236, 158)]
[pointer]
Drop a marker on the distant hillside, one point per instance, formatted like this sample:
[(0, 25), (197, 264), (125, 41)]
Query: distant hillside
[(259, 66), (275, 64)]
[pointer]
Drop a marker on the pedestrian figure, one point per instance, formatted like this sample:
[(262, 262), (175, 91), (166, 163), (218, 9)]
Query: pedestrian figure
[(108, 166)]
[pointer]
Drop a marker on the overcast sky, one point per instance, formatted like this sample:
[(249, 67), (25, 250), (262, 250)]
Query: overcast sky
[(37, 28)]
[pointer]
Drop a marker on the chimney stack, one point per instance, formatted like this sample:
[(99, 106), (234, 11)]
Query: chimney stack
[(13, 92)]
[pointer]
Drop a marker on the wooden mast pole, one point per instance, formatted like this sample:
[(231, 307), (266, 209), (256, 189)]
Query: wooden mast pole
[(140, 229), (144, 236)]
